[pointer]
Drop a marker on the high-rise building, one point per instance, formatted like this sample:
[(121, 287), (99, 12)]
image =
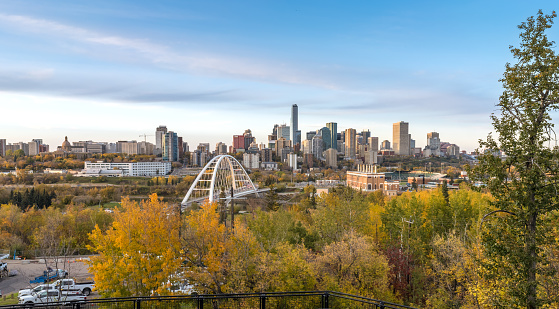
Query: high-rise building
[(306, 146), (433, 147), (238, 142), (373, 143), (220, 148), (326, 137), (292, 160), (401, 138), (251, 160), (249, 139), (129, 147), (179, 146), (283, 131), (144, 148), (385, 145), (333, 127), (170, 147), (365, 134), (266, 155), (295, 124), (350, 143), (2, 147), (159, 137), (331, 156), (317, 146)]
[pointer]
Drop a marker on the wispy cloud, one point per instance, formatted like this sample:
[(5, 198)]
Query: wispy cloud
[(166, 57)]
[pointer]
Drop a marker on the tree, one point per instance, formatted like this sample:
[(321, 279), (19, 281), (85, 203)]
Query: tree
[(524, 184), (140, 253)]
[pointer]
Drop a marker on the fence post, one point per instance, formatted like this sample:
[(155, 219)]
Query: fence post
[(200, 302), (138, 304), (325, 297), (262, 302), (381, 305)]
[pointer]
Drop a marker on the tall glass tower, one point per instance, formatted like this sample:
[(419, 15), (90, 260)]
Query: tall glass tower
[(295, 124), (333, 134)]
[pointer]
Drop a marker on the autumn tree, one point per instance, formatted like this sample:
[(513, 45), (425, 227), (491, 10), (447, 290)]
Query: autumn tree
[(139, 254), (217, 259), (524, 183)]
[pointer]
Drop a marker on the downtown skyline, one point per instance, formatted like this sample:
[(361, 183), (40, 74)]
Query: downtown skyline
[(118, 69)]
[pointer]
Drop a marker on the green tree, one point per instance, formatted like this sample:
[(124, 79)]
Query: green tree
[(524, 184)]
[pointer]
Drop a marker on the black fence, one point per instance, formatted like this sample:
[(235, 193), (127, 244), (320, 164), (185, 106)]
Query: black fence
[(295, 300)]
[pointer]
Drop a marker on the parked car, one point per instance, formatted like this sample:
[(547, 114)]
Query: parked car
[(52, 296)]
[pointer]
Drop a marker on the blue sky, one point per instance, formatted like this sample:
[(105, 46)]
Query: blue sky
[(112, 70)]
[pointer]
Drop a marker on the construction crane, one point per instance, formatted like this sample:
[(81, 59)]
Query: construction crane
[(145, 136)]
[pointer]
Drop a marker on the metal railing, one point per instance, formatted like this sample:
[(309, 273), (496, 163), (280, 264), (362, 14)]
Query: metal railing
[(273, 300)]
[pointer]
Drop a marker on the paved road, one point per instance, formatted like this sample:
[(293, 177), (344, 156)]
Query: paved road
[(29, 269)]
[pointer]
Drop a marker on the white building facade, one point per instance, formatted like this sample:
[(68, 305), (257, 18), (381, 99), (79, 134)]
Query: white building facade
[(133, 169)]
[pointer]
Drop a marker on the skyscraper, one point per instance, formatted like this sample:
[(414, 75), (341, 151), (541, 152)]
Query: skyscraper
[(373, 143), (326, 137), (294, 124), (170, 147), (350, 143), (401, 138), (159, 137), (333, 134)]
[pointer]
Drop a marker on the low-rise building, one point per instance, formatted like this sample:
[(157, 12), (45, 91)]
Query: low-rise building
[(133, 169)]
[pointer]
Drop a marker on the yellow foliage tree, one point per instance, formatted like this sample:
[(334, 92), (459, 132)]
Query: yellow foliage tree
[(218, 260), (140, 253)]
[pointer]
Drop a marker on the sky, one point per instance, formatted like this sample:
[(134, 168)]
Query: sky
[(110, 70)]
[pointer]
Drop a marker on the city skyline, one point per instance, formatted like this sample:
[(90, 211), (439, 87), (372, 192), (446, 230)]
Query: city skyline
[(118, 69)]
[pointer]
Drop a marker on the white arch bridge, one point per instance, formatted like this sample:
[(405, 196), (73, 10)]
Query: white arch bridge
[(222, 174)]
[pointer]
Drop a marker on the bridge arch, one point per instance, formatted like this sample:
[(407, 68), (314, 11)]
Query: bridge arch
[(222, 173)]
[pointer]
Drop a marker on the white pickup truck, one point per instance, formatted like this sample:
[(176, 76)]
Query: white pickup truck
[(63, 284), (85, 287), (51, 296)]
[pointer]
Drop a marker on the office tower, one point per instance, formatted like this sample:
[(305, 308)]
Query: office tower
[(373, 143), (185, 147), (433, 147), (283, 131), (159, 137), (220, 148), (365, 134), (401, 138), (294, 124), (170, 147), (310, 135), (249, 139), (385, 145), (350, 143), (326, 137), (333, 127), (2, 147)]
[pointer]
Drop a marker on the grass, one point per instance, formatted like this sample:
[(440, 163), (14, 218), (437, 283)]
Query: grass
[(10, 299)]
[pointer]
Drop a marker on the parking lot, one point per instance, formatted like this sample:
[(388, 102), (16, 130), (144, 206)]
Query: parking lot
[(27, 270)]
